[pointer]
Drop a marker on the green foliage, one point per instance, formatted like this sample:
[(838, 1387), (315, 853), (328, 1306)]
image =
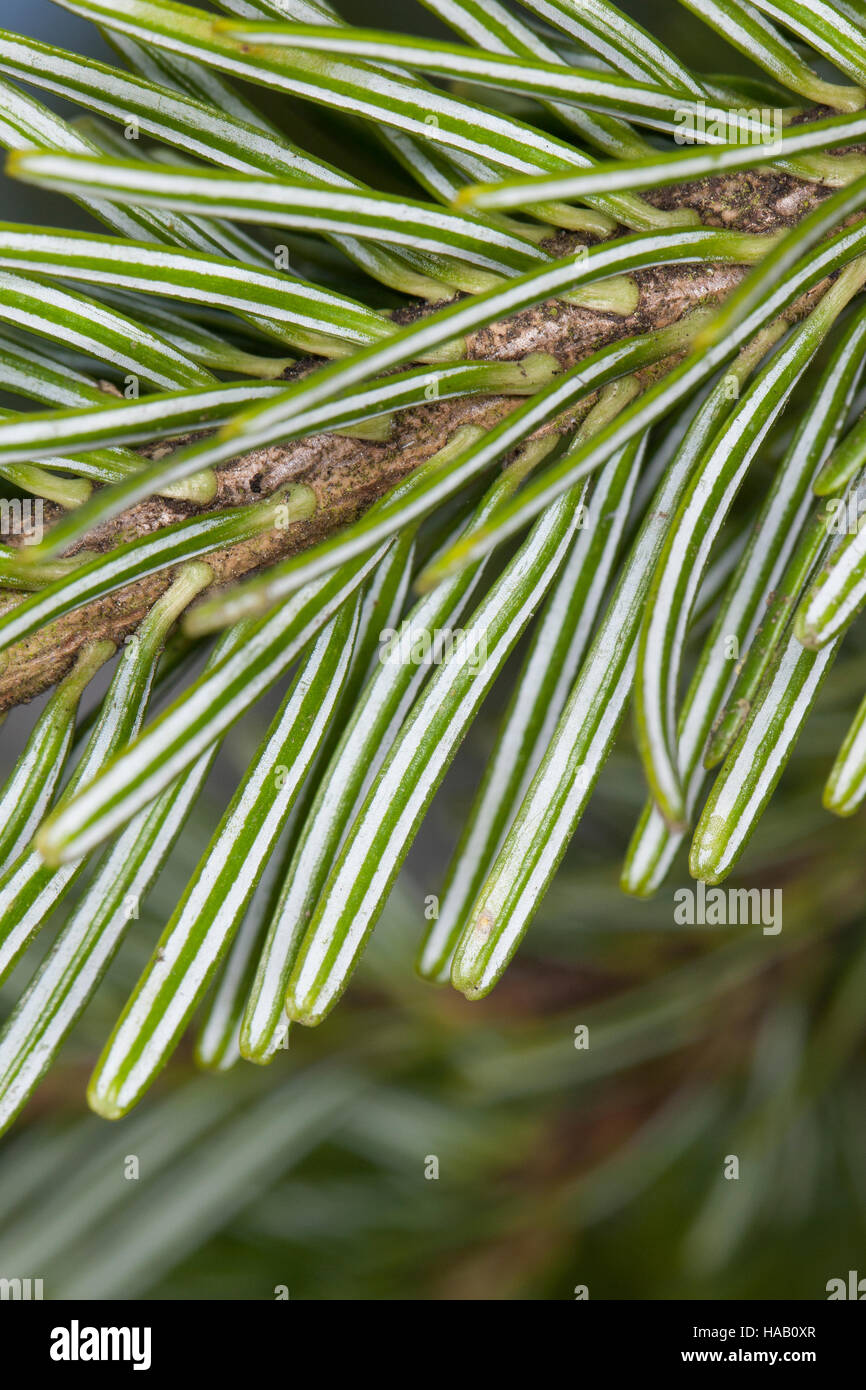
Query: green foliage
[(664, 439)]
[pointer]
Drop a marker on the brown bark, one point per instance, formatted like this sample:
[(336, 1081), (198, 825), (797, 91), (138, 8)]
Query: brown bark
[(347, 475)]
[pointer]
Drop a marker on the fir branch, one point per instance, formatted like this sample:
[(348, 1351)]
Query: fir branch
[(348, 474)]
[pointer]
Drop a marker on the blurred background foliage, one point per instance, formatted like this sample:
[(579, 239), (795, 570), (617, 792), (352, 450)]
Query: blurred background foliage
[(558, 1166)]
